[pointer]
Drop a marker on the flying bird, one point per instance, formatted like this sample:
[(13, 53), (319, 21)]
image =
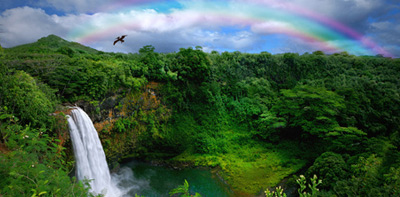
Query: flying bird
[(120, 38)]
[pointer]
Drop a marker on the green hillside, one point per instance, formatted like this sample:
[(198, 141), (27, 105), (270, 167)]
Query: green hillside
[(51, 44)]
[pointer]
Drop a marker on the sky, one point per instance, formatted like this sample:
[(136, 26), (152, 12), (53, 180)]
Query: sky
[(359, 27)]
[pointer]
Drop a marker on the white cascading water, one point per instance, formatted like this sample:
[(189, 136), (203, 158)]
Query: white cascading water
[(90, 159)]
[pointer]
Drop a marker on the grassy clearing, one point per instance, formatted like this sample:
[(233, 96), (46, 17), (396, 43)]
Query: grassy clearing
[(251, 166)]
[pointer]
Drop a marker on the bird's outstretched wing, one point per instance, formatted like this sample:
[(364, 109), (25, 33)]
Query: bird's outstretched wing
[(120, 38)]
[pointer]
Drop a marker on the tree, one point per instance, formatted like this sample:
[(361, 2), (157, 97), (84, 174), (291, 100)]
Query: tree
[(313, 111), (3, 67), (152, 61), (1, 51), (147, 49), (331, 167), (192, 65), (310, 108), (365, 180)]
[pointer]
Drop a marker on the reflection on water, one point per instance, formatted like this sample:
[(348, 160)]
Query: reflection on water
[(149, 180)]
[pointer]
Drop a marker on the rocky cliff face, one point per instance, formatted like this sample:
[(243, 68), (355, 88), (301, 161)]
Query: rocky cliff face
[(121, 119)]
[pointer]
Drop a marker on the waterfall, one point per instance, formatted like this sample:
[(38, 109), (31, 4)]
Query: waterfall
[(90, 159)]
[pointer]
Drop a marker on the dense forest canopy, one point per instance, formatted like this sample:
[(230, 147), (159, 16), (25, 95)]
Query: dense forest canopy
[(257, 117)]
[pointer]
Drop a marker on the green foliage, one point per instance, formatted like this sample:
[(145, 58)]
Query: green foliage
[(1, 51), (312, 187), (268, 126), (66, 51), (203, 143), (303, 191), (24, 175), (362, 174), (34, 166), (153, 62), (313, 112), (183, 190), (392, 181), (124, 124), (365, 179), (193, 66), (24, 98), (51, 44), (277, 193), (309, 108), (331, 167)]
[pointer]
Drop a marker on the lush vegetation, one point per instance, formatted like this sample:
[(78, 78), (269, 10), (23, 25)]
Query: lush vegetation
[(32, 162), (257, 118)]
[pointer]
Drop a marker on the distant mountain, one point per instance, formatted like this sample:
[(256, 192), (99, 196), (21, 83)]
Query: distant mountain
[(51, 44)]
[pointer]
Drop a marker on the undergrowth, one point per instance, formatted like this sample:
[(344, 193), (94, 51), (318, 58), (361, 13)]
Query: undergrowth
[(246, 164)]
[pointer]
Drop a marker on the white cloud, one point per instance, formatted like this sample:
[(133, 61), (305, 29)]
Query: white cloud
[(174, 39), (240, 41), (270, 27), (25, 24), (167, 32)]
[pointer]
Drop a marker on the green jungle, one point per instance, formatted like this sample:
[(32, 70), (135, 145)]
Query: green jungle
[(258, 120)]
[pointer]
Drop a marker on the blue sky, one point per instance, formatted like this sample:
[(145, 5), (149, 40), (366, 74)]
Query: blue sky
[(221, 25)]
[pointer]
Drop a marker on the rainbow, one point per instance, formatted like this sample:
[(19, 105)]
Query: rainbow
[(264, 17)]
